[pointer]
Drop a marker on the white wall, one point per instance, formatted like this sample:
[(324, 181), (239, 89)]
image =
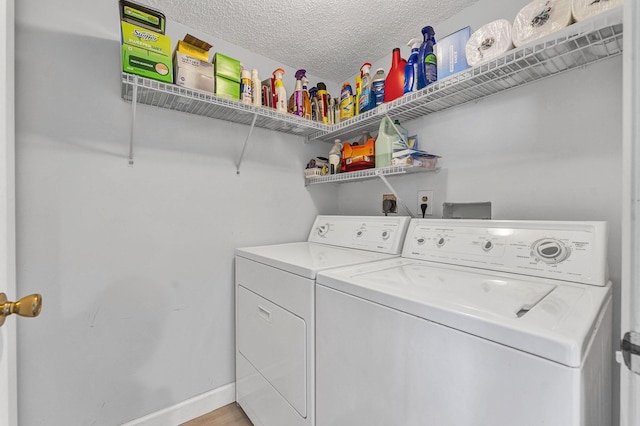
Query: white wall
[(135, 264)]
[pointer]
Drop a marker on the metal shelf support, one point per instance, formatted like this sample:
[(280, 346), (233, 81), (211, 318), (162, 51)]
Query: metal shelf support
[(134, 98), (244, 147), (393, 191)]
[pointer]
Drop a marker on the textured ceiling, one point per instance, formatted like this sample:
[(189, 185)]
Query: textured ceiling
[(330, 38)]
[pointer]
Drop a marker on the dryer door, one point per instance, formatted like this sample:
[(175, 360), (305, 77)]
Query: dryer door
[(273, 340)]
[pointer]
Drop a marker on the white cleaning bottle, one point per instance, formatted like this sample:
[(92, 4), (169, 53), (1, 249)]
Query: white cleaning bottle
[(281, 93), (256, 88), (335, 155)]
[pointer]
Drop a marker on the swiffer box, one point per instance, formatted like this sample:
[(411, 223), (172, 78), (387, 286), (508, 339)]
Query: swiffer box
[(450, 51), (146, 52), (142, 16), (227, 76)]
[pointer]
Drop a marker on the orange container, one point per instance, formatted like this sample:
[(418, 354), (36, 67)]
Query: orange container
[(358, 157)]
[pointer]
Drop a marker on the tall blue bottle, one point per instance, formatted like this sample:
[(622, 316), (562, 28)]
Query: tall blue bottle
[(428, 65), (411, 69)]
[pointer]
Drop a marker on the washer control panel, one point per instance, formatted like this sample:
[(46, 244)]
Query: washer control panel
[(373, 233), (570, 251)]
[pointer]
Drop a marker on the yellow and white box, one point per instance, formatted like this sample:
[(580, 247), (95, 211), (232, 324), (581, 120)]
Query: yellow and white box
[(193, 73)]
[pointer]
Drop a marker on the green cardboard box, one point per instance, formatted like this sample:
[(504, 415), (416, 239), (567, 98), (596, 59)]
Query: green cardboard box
[(227, 67), (146, 53), (226, 88)]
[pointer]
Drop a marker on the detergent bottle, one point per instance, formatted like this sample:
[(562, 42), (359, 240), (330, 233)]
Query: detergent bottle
[(365, 101), (411, 68), (378, 86), (403, 141), (384, 142), (394, 84), (346, 102), (306, 100), (335, 155), (280, 91), (356, 101), (256, 88), (296, 101), (323, 103), (427, 62)]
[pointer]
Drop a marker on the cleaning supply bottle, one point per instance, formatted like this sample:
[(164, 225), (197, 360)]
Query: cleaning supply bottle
[(346, 102), (246, 89), (306, 99), (378, 86), (384, 142), (256, 88), (411, 68), (394, 84), (323, 103), (296, 101), (356, 101), (365, 101), (313, 95), (335, 155), (280, 91), (427, 62)]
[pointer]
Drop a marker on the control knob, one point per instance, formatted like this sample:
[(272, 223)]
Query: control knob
[(323, 229), (549, 250)]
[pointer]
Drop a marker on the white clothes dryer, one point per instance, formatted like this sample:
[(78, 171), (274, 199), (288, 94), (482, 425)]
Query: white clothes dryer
[(479, 323), (275, 311)]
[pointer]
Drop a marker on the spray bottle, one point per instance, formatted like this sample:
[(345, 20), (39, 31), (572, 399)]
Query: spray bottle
[(346, 102), (296, 101), (427, 63), (306, 100), (323, 103), (365, 102), (280, 91), (256, 88), (411, 69), (356, 100)]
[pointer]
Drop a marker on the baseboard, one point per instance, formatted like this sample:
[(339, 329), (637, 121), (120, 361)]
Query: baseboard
[(189, 409)]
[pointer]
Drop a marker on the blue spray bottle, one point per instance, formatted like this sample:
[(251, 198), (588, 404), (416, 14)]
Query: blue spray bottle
[(411, 69), (427, 63)]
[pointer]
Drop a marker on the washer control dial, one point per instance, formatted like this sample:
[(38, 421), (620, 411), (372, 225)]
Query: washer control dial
[(440, 242), (323, 229), (487, 245), (549, 250), (386, 234)]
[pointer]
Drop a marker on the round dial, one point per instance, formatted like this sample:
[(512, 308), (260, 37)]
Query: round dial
[(360, 233), (323, 229), (386, 235), (441, 241), (421, 240), (549, 250), (487, 245)]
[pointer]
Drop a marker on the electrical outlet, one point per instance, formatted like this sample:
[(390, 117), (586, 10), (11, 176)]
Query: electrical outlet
[(426, 197), (389, 203)]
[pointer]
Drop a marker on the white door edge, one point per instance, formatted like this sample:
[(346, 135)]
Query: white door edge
[(630, 290), (8, 376)]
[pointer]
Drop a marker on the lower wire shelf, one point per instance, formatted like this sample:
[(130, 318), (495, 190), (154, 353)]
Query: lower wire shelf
[(367, 174)]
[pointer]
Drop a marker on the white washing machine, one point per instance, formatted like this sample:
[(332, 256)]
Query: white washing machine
[(479, 323), (275, 311)]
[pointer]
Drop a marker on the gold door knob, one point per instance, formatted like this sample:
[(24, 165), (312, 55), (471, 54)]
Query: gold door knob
[(28, 306)]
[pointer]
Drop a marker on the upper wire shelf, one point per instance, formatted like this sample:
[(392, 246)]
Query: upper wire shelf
[(577, 45)]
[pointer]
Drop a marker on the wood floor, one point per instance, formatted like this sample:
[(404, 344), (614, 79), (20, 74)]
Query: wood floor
[(229, 415)]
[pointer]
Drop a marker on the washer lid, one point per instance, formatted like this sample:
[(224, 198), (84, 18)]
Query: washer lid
[(548, 318), (307, 259)]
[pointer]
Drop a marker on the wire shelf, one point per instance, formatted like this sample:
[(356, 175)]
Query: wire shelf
[(578, 45), (170, 96), (367, 174)]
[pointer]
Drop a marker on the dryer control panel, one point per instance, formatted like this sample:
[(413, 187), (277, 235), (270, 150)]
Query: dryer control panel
[(373, 233), (569, 251)]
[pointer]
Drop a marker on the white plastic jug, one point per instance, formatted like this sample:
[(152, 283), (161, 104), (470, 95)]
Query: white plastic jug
[(387, 136)]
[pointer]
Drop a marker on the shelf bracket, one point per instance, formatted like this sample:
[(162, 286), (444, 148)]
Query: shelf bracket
[(398, 199), (244, 147), (134, 99), (395, 129)]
